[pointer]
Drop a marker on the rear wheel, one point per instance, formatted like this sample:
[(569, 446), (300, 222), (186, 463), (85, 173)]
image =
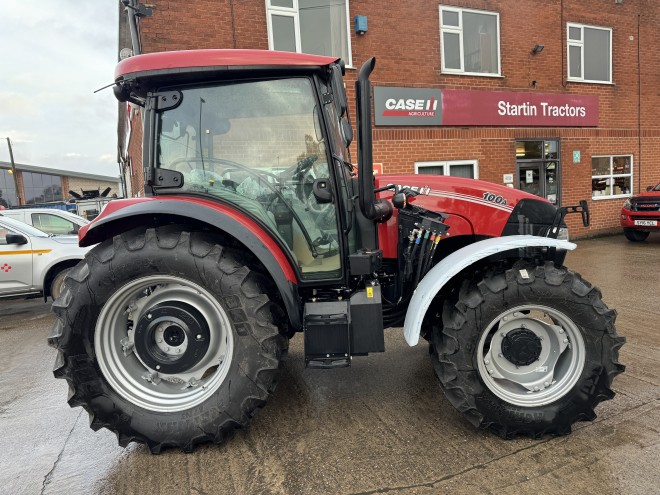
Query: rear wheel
[(167, 338), (635, 235), (528, 351)]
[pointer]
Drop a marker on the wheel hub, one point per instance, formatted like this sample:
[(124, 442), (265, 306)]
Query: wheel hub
[(171, 337), (521, 347)]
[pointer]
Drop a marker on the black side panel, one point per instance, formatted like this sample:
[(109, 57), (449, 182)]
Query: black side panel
[(185, 212), (533, 217), (530, 217)]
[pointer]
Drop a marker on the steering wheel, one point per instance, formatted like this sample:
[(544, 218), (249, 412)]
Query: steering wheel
[(195, 160)]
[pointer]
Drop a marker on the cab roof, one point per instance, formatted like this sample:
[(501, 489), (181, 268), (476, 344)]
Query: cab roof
[(155, 63)]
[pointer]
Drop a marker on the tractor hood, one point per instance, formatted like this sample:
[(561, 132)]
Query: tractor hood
[(475, 208), (439, 192)]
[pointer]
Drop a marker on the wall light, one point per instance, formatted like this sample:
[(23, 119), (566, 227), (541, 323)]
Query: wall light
[(537, 49)]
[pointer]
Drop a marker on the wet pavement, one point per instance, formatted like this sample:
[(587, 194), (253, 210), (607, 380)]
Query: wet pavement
[(381, 426)]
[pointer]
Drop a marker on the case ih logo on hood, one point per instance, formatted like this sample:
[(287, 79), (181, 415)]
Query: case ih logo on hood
[(407, 106), (410, 107)]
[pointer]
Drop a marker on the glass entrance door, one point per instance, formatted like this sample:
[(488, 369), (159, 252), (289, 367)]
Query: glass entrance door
[(538, 170)]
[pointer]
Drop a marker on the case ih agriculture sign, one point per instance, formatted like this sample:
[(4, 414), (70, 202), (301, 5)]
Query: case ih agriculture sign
[(424, 106)]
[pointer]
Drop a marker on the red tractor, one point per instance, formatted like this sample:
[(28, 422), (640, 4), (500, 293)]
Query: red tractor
[(256, 226)]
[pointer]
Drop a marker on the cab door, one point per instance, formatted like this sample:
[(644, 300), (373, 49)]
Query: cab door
[(16, 270)]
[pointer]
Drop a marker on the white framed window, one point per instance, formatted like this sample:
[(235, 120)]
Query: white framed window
[(611, 176), (589, 50), (455, 168), (470, 41), (318, 27)]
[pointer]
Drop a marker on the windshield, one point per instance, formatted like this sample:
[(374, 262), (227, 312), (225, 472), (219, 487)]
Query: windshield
[(259, 145)]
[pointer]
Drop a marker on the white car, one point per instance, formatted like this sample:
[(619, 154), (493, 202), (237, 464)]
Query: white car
[(48, 220), (33, 262)]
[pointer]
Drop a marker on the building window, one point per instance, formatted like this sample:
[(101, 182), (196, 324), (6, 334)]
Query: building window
[(470, 41), (41, 188), (589, 53), (611, 176), (455, 168), (319, 27), (7, 188)]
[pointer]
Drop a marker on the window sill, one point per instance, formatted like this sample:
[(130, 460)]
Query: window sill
[(618, 196), (580, 81), (471, 74)]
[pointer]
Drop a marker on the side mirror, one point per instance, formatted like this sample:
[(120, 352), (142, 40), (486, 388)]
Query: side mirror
[(15, 238)]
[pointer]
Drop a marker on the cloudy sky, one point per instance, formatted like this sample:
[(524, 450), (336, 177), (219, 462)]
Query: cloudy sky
[(53, 55)]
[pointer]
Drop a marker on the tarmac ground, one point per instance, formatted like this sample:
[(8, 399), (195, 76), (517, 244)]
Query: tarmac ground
[(381, 426)]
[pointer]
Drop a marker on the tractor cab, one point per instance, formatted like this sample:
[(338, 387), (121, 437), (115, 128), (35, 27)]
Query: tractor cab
[(269, 138)]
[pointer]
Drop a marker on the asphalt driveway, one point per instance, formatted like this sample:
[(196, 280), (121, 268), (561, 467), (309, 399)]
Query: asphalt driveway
[(381, 426)]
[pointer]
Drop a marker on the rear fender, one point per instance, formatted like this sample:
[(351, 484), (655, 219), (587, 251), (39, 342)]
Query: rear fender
[(455, 263), (123, 215)]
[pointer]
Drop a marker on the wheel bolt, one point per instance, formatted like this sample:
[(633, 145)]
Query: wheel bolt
[(561, 330), (547, 384), (503, 334), (565, 341), (158, 366), (178, 350), (522, 325), (491, 371), (149, 316), (199, 336), (499, 355), (159, 340), (516, 314), (167, 349), (486, 361)]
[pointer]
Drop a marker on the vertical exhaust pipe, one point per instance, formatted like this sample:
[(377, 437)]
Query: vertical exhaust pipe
[(373, 209)]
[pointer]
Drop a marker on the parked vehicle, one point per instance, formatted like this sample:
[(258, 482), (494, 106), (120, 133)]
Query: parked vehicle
[(33, 262), (49, 220), (256, 227), (640, 215)]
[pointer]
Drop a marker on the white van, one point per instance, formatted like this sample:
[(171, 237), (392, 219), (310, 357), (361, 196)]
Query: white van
[(32, 262), (49, 220)]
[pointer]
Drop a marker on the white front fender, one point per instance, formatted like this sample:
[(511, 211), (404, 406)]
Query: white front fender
[(453, 264)]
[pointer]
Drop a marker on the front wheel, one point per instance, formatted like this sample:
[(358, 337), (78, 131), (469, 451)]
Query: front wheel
[(635, 235), (528, 351), (167, 338)]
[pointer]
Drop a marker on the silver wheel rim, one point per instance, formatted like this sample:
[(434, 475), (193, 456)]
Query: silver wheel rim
[(132, 374), (558, 348)]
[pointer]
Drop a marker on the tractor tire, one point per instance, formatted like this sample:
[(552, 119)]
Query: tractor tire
[(635, 235), (167, 338), (526, 351)]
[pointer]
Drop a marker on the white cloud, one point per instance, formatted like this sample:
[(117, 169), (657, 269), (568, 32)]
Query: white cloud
[(55, 54)]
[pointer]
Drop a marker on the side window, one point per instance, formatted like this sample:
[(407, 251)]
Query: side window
[(589, 51), (52, 224), (3, 235), (456, 168), (611, 176), (470, 41), (319, 27)]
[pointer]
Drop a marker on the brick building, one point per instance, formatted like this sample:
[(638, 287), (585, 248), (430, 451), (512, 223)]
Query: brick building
[(556, 97)]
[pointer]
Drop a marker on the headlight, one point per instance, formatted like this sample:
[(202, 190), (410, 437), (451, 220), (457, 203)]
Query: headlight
[(562, 235), (627, 205)]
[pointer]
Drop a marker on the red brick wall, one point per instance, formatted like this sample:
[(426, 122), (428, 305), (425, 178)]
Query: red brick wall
[(405, 38)]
